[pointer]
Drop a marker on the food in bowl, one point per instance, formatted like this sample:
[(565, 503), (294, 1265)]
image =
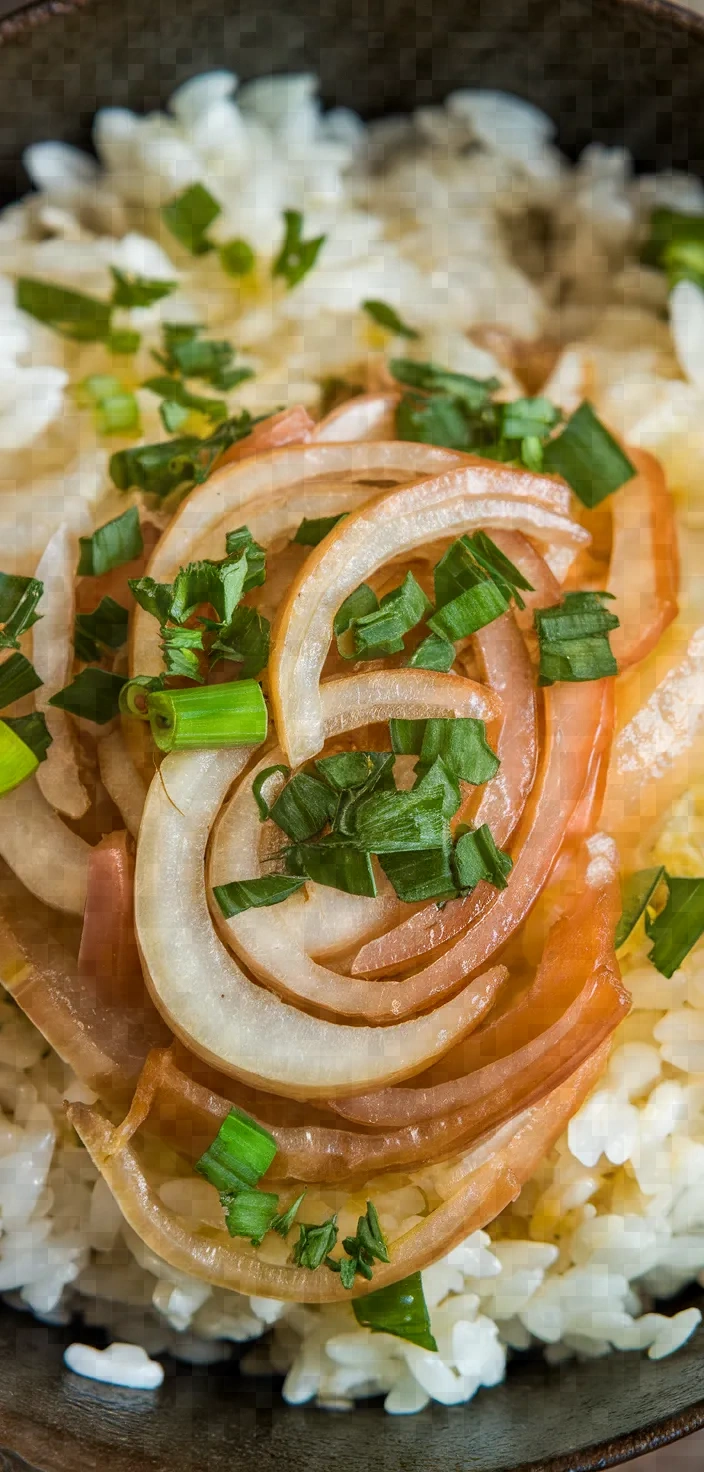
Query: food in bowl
[(350, 733)]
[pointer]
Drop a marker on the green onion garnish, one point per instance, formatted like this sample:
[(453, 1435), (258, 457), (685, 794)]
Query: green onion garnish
[(462, 744), (393, 822), (438, 777), (245, 641), (33, 731), (678, 927), (115, 408), (190, 216), (17, 678), (138, 291), (314, 1243), (240, 1154), (249, 1213), (468, 561), (435, 653), (636, 894), (528, 418), (473, 609), (303, 807), (367, 1246), (252, 894), (133, 695), (72, 313), (18, 602), (381, 631), (676, 245), (237, 258), (437, 421), (178, 464), (476, 857), (174, 392), (94, 695), (335, 861), (219, 715), (258, 784), (17, 760), (181, 650), (573, 638), (407, 736), (284, 1221), (104, 628), (386, 316), (114, 543), (192, 356), (474, 393), (123, 340), (420, 876), (296, 256), (311, 531), (357, 605), (398, 1309), (588, 458), (241, 540), (348, 769)]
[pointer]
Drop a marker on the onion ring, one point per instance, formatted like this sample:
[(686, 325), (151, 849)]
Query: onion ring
[(365, 417), (51, 861), (58, 777), (644, 569)]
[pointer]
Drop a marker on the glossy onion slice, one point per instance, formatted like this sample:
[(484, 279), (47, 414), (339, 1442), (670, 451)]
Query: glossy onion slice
[(366, 417), (291, 427), (197, 985), (644, 570), (488, 1180), (121, 780), (48, 857), (480, 494), (58, 777)]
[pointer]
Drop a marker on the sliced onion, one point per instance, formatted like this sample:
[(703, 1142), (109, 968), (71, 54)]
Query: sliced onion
[(585, 817), (108, 952), (366, 417), (291, 427), (58, 777), (644, 571), (502, 1169), (121, 780), (482, 494), (51, 861)]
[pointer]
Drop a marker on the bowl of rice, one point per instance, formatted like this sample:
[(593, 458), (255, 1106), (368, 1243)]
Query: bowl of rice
[(351, 736)]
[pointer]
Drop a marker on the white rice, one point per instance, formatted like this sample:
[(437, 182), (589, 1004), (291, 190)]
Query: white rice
[(444, 216)]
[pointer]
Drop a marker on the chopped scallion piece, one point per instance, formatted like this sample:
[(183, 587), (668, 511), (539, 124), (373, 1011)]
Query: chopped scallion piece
[(573, 639), (462, 744), (249, 1213), (348, 769), (190, 216), (359, 603), (471, 559), (104, 628), (258, 784), (245, 641), (138, 291), (528, 419), (181, 650), (398, 1309), (237, 258), (393, 822), (178, 464), (678, 927), (33, 731), (240, 1154), (474, 608), (113, 544), (676, 245), (435, 653), (381, 631), (175, 392), (153, 597), (335, 861), (311, 531), (133, 695), (417, 876), (367, 1246), (284, 1221), (17, 759), (476, 857), (192, 356), (296, 256), (437, 421), (241, 540), (440, 778), (71, 313), (636, 894), (216, 716), (588, 457), (17, 678), (474, 393), (407, 736), (303, 807), (386, 316), (314, 1243), (115, 408), (123, 340), (253, 894), (94, 694), (380, 779), (18, 602)]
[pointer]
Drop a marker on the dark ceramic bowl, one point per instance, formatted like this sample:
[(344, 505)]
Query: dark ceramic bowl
[(620, 71)]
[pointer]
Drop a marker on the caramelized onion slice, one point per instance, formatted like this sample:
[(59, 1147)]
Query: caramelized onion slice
[(51, 861), (121, 780), (501, 1170), (58, 777), (366, 417), (290, 427), (644, 570)]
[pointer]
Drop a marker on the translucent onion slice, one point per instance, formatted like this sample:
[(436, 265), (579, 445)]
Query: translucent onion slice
[(196, 984), (272, 493), (121, 780), (58, 777), (644, 570), (51, 861), (502, 1168), (366, 417), (480, 494), (291, 427), (587, 813), (108, 951)]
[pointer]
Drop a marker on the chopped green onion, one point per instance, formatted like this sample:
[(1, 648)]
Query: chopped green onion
[(190, 216), (284, 1221), (17, 760), (468, 562), (249, 1213), (240, 1154), (175, 392), (392, 822), (381, 631), (241, 540), (192, 356), (474, 393), (18, 602), (253, 894), (105, 627), (348, 769), (678, 927), (17, 678), (588, 457), (435, 653), (245, 640), (476, 857), (114, 543), (219, 584), (237, 258), (436, 421), (573, 638), (366, 1247), (398, 1309), (462, 744), (528, 419), (335, 861), (138, 291), (178, 464), (217, 716), (473, 610), (359, 603), (407, 736), (420, 876), (296, 256), (153, 597), (380, 779), (133, 695), (311, 531), (303, 807), (258, 784), (71, 313), (676, 245), (181, 650), (636, 894), (123, 340), (386, 316), (438, 777), (94, 695), (314, 1243), (33, 731)]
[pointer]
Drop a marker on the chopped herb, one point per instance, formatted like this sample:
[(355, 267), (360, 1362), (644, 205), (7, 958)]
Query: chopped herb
[(420, 876), (435, 653), (258, 784), (17, 678), (406, 736), (529, 419), (348, 769), (249, 1213), (386, 316), (303, 807), (192, 356), (381, 631), (72, 313), (440, 778), (153, 597), (115, 408), (437, 421), (398, 1309), (181, 650), (284, 1221), (251, 894), (245, 641), (123, 340), (113, 544), (636, 893), (588, 457), (366, 1247), (315, 1243), (133, 695), (138, 291), (311, 532), (297, 256), (359, 603), (462, 744), (94, 694), (216, 716), (17, 760), (573, 638), (393, 822), (178, 464), (241, 540), (33, 731), (380, 779), (18, 602), (173, 392), (335, 861), (240, 1154), (190, 216), (219, 584), (237, 258), (474, 393), (474, 584), (679, 926), (473, 610), (104, 628), (476, 857)]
